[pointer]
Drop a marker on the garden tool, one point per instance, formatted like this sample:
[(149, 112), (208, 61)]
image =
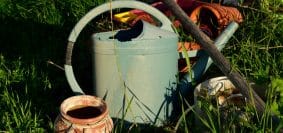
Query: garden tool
[(134, 70)]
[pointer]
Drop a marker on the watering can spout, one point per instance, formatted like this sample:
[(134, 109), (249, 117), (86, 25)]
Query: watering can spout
[(201, 66)]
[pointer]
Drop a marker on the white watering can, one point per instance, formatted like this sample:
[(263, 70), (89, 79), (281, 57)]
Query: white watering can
[(135, 70)]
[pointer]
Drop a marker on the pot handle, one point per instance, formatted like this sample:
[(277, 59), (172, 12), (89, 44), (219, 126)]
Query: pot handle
[(166, 25)]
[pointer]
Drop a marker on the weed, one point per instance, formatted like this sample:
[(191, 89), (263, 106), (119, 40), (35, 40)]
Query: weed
[(34, 31), (16, 87)]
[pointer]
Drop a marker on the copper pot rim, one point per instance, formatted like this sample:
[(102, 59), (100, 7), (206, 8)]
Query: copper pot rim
[(88, 100)]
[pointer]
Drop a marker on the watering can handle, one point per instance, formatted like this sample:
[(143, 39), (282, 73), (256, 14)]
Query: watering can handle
[(166, 25)]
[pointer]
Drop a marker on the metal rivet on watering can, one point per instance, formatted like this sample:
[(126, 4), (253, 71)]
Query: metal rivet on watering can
[(134, 70)]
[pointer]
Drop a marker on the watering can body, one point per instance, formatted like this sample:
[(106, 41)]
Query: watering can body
[(134, 70), (136, 78)]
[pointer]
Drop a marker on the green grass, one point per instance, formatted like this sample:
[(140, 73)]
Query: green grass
[(34, 32), (21, 87), (259, 38)]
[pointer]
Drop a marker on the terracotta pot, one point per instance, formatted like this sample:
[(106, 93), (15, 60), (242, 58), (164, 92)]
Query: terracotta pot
[(215, 17), (83, 113)]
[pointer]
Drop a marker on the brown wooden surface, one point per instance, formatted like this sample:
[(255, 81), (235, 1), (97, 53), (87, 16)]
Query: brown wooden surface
[(219, 60)]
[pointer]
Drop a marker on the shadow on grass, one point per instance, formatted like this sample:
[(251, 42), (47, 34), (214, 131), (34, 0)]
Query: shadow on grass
[(36, 44)]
